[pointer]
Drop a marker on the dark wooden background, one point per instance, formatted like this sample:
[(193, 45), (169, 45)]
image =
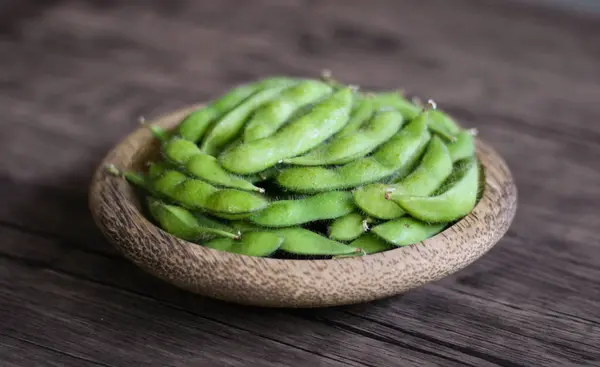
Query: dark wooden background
[(75, 75)]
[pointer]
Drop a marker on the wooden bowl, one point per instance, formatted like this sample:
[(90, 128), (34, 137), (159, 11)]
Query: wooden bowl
[(291, 283)]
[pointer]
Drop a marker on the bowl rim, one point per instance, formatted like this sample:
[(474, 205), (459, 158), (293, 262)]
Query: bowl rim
[(495, 217)]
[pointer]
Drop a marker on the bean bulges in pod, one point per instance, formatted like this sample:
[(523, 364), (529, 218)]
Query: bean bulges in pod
[(200, 195), (306, 132), (184, 224), (225, 129), (371, 244), (285, 213), (440, 122), (367, 138), (454, 199), (301, 241), (435, 166), (407, 231), (395, 156), (202, 165), (196, 123), (395, 100), (253, 243), (362, 109), (349, 227), (271, 116)]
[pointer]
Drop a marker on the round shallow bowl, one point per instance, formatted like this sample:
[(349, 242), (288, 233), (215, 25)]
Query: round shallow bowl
[(291, 283)]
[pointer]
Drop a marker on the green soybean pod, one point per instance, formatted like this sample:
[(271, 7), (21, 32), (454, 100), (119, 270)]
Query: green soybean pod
[(230, 125), (285, 213), (362, 109), (396, 156), (442, 124), (434, 167), (349, 227), (271, 116), (196, 123), (197, 194), (372, 134), (455, 199), (203, 166), (463, 146), (182, 223), (298, 136), (302, 241), (259, 244), (395, 100), (407, 231), (371, 244)]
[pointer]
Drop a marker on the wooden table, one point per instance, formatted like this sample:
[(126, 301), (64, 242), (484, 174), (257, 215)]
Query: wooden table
[(75, 76)]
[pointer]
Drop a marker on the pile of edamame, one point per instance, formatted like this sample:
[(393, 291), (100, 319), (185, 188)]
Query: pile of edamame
[(292, 167)]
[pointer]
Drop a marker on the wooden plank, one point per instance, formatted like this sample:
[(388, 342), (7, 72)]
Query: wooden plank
[(105, 325), (56, 268), (545, 329)]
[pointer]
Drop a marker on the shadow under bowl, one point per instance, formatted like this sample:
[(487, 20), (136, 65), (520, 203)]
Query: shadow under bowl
[(268, 282)]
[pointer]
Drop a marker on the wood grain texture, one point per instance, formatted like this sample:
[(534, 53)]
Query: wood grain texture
[(291, 283), (75, 76)]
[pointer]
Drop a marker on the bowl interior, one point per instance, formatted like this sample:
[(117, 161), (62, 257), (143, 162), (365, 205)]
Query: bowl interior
[(286, 282)]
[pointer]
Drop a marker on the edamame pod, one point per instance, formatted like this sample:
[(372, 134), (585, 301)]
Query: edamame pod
[(396, 156), (371, 244), (301, 241), (227, 128), (201, 165), (361, 112), (462, 147), (196, 123), (259, 244), (285, 213), (349, 227), (434, 168), (442, 124), (364, 140), (395, 100), (184, 224), (197, 194), (309, 130), (271, 116), (455, 199), (407, 231)]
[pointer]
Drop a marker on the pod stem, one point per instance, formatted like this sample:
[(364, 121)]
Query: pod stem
[(327, 77), (113, 170), (158, 132), (131, 177), (431, 105), (234, 236)]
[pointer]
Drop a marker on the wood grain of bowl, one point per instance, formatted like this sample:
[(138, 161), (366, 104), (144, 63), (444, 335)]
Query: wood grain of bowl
[(291, 283)]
